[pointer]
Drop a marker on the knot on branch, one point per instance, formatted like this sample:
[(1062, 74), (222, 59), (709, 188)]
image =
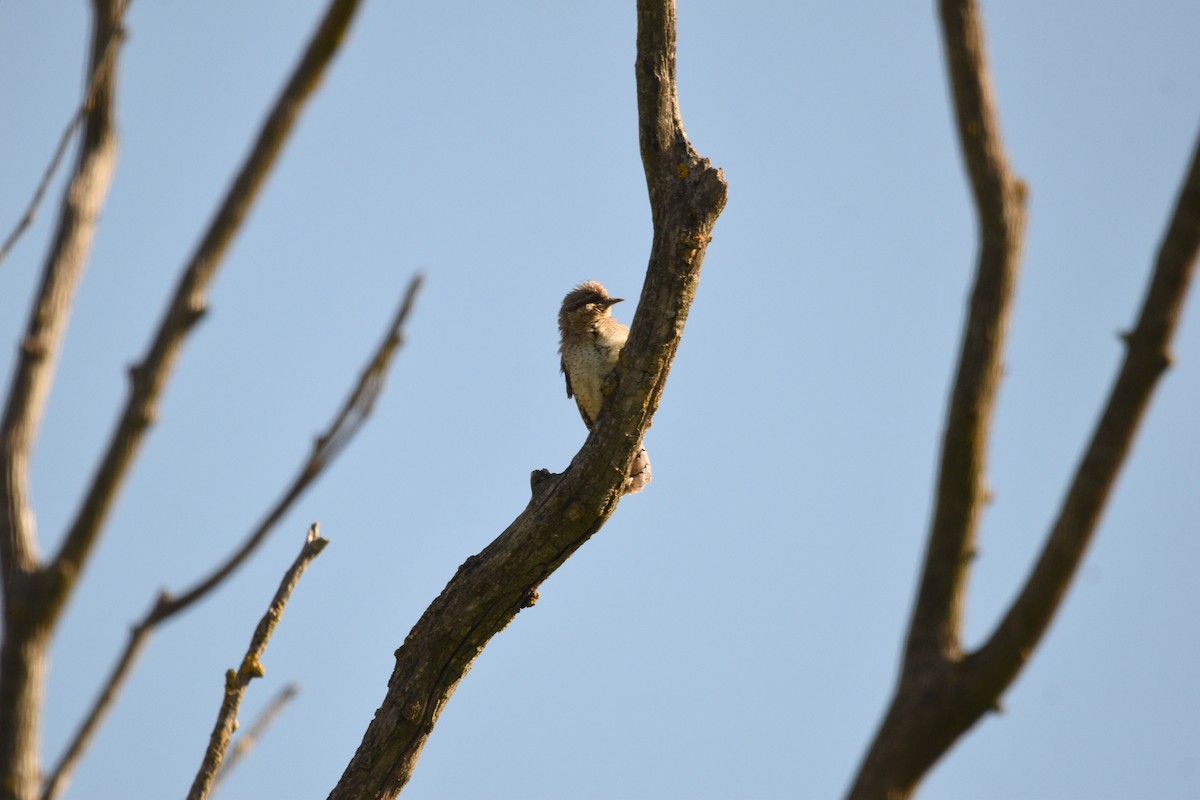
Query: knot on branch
[(251, 668), (1150, 348), (34, 347), (411, 710), (537, 479), (611, 381), (192, 312), (708, 189)]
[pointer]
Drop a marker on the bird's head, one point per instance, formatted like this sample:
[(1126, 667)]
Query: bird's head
[(583, 305)]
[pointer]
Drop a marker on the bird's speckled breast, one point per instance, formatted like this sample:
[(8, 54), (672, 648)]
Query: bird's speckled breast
[(589, 362)]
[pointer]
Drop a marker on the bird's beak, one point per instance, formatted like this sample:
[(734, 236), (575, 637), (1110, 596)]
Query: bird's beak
[(612, 301)]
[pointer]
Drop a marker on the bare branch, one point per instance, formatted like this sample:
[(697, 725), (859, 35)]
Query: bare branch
[(56, 783), (251, 667), (687, 195), (927, 713), (99, 74), (247, 741), (27, 617), (65, 262), (358, 405), (188, 303), (941, 692), (349, 419), (328, 445), (999, 201), (1147, 356)]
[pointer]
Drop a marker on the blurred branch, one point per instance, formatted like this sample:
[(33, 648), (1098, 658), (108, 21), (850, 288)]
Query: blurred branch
[(28, 618), (943, 692), (1147, 357), (915, 731), (686, 197), (247, 741), (188, 304), (251, 667), (349, 419), (1000, 206), (101, 69), (65, 262)]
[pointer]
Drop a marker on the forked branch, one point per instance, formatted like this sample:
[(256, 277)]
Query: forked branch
[(489, 589), (28, 619), (188, 303), (61, 273), (1147, 356), (349, 419), (943, 692)]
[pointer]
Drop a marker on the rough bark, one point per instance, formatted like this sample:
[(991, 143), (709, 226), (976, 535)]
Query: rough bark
[(490, 588)]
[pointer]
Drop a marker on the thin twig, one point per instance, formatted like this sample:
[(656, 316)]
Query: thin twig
[(326, 447), (246, 742), (57, 781), (251, 667), (99, 70), (346, 423), (188, 303)]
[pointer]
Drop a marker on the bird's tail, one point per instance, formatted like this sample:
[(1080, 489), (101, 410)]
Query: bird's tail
[(639, 473)]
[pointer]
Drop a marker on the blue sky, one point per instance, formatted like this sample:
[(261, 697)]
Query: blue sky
[(734, 630)]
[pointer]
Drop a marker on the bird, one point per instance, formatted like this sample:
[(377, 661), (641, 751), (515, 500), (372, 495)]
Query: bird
[(590, 342)]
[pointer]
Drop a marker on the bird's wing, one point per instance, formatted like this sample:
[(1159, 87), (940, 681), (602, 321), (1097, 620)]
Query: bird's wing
[(562, 365), (571, 393)]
